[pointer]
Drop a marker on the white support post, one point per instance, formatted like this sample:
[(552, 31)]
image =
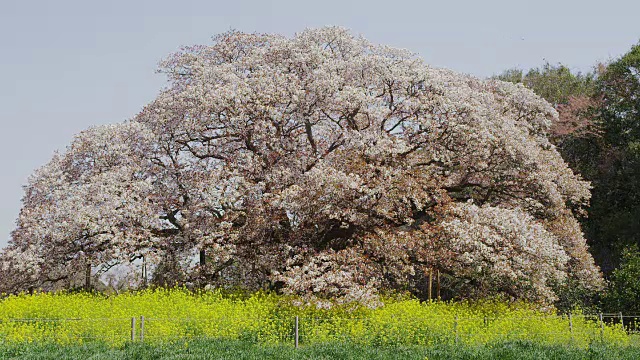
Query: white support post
[(571, 328), (621, 320)]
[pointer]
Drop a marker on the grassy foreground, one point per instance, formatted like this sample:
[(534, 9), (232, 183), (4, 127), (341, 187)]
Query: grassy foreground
[(235, 349)]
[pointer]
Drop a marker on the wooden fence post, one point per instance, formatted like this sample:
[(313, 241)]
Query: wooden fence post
[(455, 328), (133, 329), (142, 328), (601, 328), (296, 332)]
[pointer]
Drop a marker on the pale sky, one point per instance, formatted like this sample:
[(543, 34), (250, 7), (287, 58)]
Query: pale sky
[(67, 65)]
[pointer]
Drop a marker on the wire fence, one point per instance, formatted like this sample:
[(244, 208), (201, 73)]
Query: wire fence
[(296, 330)]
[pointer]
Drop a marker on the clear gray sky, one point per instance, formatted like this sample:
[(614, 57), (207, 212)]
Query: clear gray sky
[(67, 65)]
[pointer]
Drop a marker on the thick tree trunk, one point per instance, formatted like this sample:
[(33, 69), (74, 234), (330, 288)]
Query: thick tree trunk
[(203, 258), (438, 284), (430, 282), (87, 277)]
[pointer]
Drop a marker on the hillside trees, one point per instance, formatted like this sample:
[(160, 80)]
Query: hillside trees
[(577, 131), (321, 165), (614, 222)]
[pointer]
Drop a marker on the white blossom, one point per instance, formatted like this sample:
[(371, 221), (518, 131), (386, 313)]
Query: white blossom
[(319, 164)]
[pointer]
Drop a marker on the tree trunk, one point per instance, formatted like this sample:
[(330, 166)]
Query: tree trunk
[(430, 282), (203, 258), (87, 277), (144, 271), (438, 284)]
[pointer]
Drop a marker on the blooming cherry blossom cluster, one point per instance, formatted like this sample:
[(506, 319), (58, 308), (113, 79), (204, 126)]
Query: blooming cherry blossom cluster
[(321, 165)]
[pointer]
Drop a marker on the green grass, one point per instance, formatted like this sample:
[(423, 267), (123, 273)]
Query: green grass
[(235, 349)]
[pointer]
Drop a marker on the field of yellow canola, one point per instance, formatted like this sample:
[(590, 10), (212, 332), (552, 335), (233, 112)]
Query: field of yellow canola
[(171, 314)]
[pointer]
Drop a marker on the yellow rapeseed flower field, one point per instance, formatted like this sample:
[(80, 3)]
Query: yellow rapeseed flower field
[(171, 314)]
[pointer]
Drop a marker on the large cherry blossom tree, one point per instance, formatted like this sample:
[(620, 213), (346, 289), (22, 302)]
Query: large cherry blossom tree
[(321, 165)]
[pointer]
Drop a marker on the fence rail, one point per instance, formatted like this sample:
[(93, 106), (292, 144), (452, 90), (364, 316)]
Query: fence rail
[(296, 330)]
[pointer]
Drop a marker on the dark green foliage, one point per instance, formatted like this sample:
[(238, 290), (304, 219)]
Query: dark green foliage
[(572, 296), (619, 86), (624, 289), (614, 220)]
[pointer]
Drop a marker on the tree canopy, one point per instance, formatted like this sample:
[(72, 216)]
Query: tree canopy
[(322, 165)]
